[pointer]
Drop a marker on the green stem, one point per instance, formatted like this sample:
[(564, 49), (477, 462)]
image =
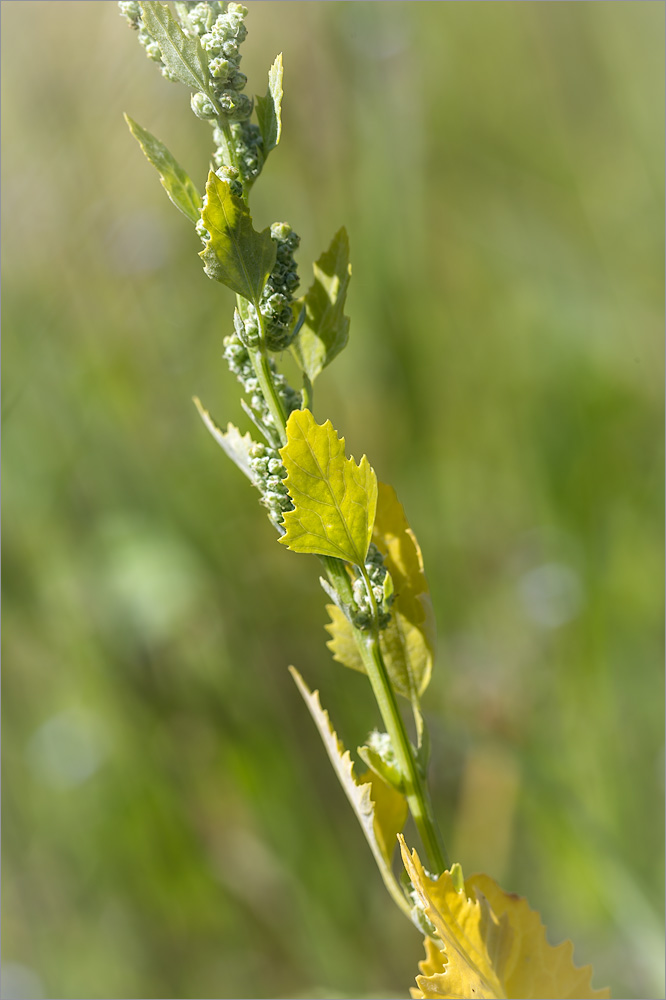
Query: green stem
[(308, 392), (265, 378), (262, 370), (416, 791), (230, 150)]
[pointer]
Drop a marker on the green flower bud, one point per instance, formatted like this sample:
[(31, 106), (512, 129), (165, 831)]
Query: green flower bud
[(203, 107), (230, 175), (222, 69), (201, 16), (150, 45), (382, 746), (237, 81), (235, 106), (280, 231)]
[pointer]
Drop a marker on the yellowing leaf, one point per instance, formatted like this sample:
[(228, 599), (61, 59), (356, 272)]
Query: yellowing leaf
[(381, 810), (269, 108), (235, 254), (490, 944), (325, 330), (407, 643), (396, 540), (334, 499), (342, 643), (173, 178)]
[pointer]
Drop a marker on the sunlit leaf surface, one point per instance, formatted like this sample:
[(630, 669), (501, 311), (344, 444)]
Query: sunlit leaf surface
[(177, 184), (490, 944), (334, 498)]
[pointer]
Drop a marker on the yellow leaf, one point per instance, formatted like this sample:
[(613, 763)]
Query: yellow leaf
[(396, 540), (490, 944)]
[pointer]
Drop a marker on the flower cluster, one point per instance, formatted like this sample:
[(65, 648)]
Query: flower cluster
[(277, 297), (220, 32), (269, 473), (362, 610), (247, 149), (220, 29)]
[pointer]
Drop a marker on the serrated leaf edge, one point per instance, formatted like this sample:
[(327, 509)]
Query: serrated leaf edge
[(359, 794)]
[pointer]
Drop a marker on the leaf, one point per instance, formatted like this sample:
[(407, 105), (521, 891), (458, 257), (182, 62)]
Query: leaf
[(334, 499), (381, 768), (489, 944), (381, 810), (236, 446), (402, 557), (269, 108), (326, 329), (182, 54), (173, 178), (407, 643), (342, 643), (235, 254)]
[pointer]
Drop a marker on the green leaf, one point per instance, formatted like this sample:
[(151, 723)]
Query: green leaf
[(326, 329), (381, 810), (182, 54), (236, 446), (408, 641), (334, 499), (269, 108), (235, 254), (173, 178)]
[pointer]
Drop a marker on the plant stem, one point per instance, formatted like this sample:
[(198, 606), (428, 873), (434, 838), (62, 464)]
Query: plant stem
[(262, 370), (265, 378), (231, 157), (416, 791)]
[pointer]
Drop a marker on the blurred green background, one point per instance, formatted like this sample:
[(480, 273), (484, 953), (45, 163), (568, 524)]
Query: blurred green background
[(172, 827)]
